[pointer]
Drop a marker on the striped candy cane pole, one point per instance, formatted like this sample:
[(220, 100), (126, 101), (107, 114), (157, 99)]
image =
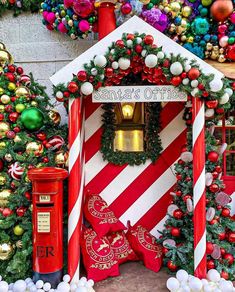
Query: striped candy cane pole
[(76, 185), (199, 193)]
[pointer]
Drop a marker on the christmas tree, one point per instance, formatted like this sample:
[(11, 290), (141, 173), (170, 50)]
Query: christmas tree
[(177, 237), (30, 136)]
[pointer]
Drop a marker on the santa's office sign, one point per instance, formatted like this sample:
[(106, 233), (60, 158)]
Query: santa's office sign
[(138, 94)]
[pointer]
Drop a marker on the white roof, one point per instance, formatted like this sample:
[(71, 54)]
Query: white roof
[(134, 24)]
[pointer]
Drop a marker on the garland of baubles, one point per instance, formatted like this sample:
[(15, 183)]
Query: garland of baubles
[(204, 27)]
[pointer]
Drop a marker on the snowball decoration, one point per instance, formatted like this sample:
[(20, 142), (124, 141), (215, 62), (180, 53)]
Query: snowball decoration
[(3, 286), (224, 98), (216, 85), (182, 276), (19, 286), (46, 286), (213, 275), (151, 61), (87, 88), (195, 284), (176, 68), (139, 40), (66, 278), (124, 63), (100, 61), (63, 286), (172, 284), (115, 65), (39, 284)]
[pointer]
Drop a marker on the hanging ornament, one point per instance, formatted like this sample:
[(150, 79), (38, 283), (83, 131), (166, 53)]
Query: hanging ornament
[(34, 148), (54, 115), (5, 99), (221, 9), (208, 179), (32, 119), (5, 57), (231, 53), (16, 171), (189, 204), (4, 197), (193, 73), (20, 107), (6, 251), (126, 8), (4, 128), (178, 214), (22, 91), (171, 266), (225, 212), (18, 230), (7, 212), (209, 248), (216, 85), (61, 158), (228, 257), (73, 87), (56, 142), (175, 232), (83, 8), (171, 208)]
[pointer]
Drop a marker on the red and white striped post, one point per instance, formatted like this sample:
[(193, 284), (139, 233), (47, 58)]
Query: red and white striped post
[(76, 185), (199, 192)]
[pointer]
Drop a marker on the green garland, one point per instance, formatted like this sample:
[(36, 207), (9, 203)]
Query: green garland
[(19, 6), (151, 137)]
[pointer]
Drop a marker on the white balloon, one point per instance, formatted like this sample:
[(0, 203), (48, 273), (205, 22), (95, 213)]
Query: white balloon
[(216, 85), (47, 286), (213, 275), (224, 98), (160, 55), (81, 289), (51, 290), (83, 279), (151, 61), (176, 68), (100, 61), (209, 113), (19, 286), (172, 284), (40, 290), (30, 284), (229, 91), (182, 276), (208, 288), (115, 65), (63, 287), (39, 284), (10, 286), (124, 63), (66, 278), (87, 88), (195, 284), (3, 286), (204, 282)]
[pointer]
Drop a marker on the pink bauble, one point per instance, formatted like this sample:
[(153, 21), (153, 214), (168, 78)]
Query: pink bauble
[(51, 17), (62, 28), (222, 28), (84, 25), (126, 8), (223, 41), (44, 14), (83, 8), (232, 18), (68, 3)]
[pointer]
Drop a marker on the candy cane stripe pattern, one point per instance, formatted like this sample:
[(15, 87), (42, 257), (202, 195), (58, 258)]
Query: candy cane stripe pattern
[(199, 193), (16, 171), (76, 185)]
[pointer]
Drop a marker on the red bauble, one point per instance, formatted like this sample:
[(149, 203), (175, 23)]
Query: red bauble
[(11, 134), (19, 70), (72, 87), (126, 8), (2, 117), (213, 156), (120, 43), (16, 129), (178, 176), (11, 68), (1, 164), (213, 222), (166, 63), (175, 231), (218, 168), (222, 236), (176, 80), (210, 264), (138, 49), (171, 266), (82, 76), (231, 237), (231, 53), (205, 94), (219, 111), (193, 73), (13, 117), (130, 36), (225, 212), (20, 211), (186, 197), (183, 75), (41, 136), (209, 247), (66, 94), (7, 212), (148, 39), (10, 76), (214, 188), (165, 250), (215, 174), (178, 214), (45, 159), (229, 258), (212, 103), (221, 9), (201, 86), (178, 193), (109, 72), (9, 108), (27, 196), (224, 275), (222, 251)]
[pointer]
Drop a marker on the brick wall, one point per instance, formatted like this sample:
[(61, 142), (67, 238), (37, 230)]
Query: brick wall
[(38, 50)]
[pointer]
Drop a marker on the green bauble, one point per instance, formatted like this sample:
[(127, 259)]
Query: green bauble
[(32, 119)]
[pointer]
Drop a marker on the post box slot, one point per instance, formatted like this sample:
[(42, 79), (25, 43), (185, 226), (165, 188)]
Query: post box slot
[(44, 205)]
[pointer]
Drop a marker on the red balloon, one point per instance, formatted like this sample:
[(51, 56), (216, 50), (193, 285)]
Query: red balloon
[(210, 264), (175, 231), (193, 73), (171, 266), (229, 258), (209, 247), (213, 156)]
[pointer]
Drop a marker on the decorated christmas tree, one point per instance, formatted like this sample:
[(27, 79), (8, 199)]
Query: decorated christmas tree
[(177, 236), (30, 136)]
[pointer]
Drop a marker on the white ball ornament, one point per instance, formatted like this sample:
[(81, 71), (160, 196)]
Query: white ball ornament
[(102, 76), (182, 276), (172, 284), (59, 94), (213, 275), (124, 63), (100, 61), (63, 286), (39, 284), (224, 98), (209, 113), (185, 81), (3, 286), (229, 91), (194, 92), (47, 286), (139, 40), (115, 65), (66, 278), (129, 43), (194, 83), (112, 51), (143, 53), (216, 85), (160, 55), (94, 71), (151, 61), (195, 284), (87, 88), (187, 67), (176, 68), (19, 286)]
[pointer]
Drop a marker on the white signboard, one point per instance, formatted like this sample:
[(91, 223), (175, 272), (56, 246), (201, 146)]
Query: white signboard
[(151, 93)]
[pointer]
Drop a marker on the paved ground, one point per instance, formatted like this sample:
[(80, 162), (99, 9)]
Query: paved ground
[(134, 277)]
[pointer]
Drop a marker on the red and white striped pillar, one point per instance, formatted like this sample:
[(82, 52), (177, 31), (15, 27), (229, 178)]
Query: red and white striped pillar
[(199, 192), (76, 185)]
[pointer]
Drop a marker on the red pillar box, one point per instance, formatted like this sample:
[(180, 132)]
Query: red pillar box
[(47, 223)]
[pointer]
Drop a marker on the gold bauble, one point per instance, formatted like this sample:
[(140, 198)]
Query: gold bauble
[(34, 103), (175, 6), (2, 46), (22, 91), (54, 115), (5, 58), (4, 128), (61, 158), (2, 180), (187, 11), (34, 148), (4, 197), (6, 251), (145, 2), (5, 99), (70, 22), (2, 108), (172, 27), (190, 39), (2, 145), (184, 23), (1, 90), (11, 86), (209, 46), (180, 29), (221, 58), (17, 139)]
